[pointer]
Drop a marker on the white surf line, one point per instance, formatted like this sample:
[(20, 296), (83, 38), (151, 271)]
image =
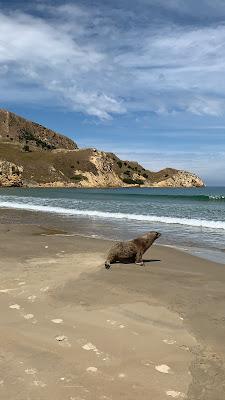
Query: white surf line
[(101, 214)]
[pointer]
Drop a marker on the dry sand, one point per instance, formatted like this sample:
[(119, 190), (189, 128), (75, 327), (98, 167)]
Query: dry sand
[(71, 330)]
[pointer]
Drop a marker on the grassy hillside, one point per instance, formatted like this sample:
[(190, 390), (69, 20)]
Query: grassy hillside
[(68, 165), (15, 129)]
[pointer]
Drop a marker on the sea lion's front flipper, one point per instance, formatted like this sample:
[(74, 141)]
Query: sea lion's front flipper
[(140, 263), (138, 258)]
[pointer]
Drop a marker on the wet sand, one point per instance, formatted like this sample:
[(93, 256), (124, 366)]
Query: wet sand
[(72, 330)]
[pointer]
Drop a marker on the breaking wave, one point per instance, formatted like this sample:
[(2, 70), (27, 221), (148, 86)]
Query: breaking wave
[(114, 215)]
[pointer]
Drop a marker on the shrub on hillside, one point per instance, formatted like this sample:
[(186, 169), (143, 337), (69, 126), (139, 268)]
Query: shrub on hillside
[(26, 148), (78, 178), (130, 181)]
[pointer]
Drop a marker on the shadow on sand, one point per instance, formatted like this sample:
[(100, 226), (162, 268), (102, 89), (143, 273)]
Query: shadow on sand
[(146, 261)]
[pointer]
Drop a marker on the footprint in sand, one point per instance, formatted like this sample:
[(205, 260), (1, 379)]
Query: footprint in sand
[(175, 394), (63, 340), (89, 346), (30, 371), (92, 369), (39, 383), (57, 321), (64, 379), (15, 306), (28, 316), (163, 368), (25, 316), (6, 290), (115, 323), (44, 289), (169, 341), (111, 322), (32, 298)]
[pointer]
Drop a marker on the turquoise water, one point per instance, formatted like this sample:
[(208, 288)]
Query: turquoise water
[(185, 217)]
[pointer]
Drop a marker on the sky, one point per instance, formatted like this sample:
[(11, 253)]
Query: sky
[(143, 79)]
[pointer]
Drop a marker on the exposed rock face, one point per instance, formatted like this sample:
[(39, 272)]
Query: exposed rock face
[(105, 176), (108, 176), (10, 174), (181, 179), (17, 129)]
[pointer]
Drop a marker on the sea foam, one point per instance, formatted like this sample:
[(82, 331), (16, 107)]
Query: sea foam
[(112, 215)]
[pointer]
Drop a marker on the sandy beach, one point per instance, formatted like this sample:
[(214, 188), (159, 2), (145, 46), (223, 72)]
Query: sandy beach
[(71, 330)]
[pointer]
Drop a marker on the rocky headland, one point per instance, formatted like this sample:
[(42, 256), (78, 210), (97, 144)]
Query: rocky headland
[(32, 156)]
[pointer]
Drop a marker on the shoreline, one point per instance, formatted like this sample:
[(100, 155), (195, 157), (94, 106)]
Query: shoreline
[(212, 255), (32, 217), (111, 334), (70, 185)]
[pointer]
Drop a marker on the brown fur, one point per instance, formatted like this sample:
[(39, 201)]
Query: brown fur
[(131, 250)]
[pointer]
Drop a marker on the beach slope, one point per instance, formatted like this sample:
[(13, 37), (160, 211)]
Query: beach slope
[(72, 330)]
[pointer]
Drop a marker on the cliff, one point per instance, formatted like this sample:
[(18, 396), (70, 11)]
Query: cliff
[(41, 157)]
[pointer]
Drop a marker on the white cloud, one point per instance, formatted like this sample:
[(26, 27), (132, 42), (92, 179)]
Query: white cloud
[(34, 51), (87, 61)]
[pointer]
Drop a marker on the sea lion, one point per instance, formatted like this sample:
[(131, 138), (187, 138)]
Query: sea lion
[(131, 250)]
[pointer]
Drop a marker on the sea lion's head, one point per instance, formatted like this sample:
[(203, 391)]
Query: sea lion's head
[(152, 235), (157, 234), (149, 238)]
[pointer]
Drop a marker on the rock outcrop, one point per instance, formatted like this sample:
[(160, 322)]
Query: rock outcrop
[(181, 179), (105, 174), (10, 174)]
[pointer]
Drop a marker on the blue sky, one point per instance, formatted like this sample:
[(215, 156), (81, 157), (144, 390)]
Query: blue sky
[(143, 79)]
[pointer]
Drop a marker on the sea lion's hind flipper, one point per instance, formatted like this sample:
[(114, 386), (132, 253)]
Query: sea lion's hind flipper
[(107, 264)]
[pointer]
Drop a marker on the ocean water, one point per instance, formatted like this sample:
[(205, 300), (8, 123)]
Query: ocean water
[(192, 219)]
